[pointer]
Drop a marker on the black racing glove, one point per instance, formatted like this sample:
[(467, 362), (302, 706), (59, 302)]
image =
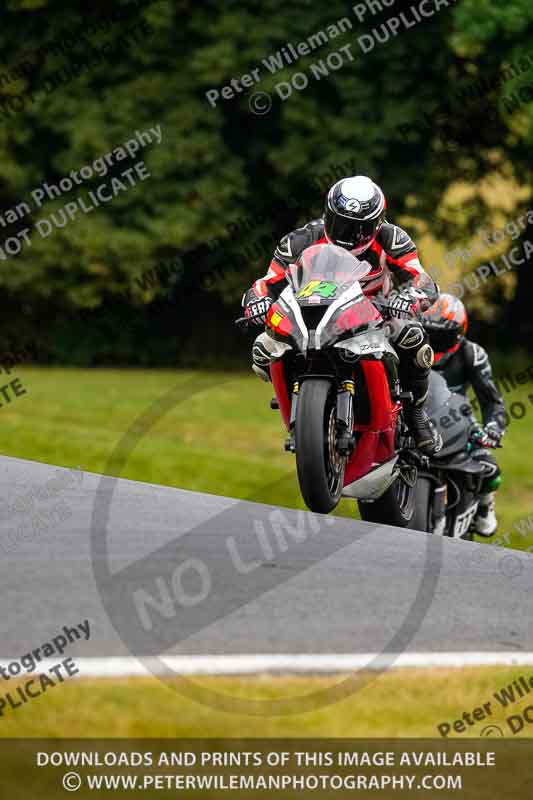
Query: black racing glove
[(256, 310), (494, 433), (402, 304), (479, 436)]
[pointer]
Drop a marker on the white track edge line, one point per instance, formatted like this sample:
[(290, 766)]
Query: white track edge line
[(288, 664)]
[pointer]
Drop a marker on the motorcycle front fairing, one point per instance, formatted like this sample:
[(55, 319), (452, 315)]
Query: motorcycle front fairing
[(323, 301)]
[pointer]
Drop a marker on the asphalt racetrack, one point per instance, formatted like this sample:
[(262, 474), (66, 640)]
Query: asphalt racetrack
[(199, 575)]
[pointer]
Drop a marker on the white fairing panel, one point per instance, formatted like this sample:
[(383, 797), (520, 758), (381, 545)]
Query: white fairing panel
[(374, 484), (369, 343)]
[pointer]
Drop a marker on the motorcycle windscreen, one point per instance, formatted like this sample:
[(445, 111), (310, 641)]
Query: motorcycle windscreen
[(323, 272), (326, 278)]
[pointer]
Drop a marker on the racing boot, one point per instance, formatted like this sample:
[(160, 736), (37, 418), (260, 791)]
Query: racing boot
[(262, 372), (485, 522), (261, 358), (427, 438), (416, 359)]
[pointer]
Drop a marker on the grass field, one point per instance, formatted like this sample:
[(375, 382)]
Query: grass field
[(396, 704), (219, 435)]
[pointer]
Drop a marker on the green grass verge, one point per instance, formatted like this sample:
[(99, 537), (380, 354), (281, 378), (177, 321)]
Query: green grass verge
[(402, 703), (219, 435)]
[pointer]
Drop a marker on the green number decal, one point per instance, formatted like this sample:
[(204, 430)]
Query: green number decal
[(325, 289)]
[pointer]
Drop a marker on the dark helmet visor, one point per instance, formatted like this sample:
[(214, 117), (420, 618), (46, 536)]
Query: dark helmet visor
[(444, 339), (349, 232)]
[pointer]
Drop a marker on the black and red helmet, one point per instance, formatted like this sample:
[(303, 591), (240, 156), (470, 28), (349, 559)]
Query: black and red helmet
[(354, 213), (446, 323)]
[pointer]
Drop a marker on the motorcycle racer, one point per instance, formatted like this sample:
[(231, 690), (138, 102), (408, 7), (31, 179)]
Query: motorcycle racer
[(464, 363), (355, 219)]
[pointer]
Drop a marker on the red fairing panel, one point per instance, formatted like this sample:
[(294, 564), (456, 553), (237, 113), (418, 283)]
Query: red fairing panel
[(277, 374), (376, 443), (357, 315)]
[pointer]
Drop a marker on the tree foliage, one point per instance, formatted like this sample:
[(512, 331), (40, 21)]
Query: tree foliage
[(419, 112)]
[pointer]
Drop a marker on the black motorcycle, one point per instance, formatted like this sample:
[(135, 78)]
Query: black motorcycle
[(448, 488)]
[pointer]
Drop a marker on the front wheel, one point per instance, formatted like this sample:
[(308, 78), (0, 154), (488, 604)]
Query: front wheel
[(319, 465)]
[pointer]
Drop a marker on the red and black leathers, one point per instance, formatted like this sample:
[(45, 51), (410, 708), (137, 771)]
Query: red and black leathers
[(393, 256), (395, 265)]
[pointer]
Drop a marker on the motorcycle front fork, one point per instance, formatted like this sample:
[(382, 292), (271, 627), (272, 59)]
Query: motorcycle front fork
[(290, 444), (345, 418), (344, 414)]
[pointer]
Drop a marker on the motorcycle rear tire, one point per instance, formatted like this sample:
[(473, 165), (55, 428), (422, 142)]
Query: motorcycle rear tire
[(395, 507), (421, 520)]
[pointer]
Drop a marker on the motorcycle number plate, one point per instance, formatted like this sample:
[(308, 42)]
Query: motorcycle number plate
[(321, 289), (464, 520)]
